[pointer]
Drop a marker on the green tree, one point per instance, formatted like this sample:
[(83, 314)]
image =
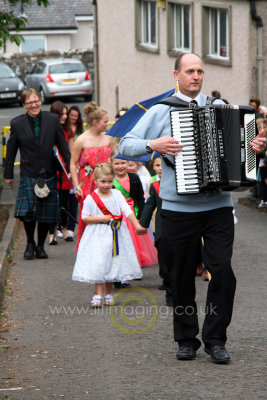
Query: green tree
[(9, 21)]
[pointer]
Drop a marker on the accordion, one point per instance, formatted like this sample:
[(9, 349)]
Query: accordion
[(216, 154)]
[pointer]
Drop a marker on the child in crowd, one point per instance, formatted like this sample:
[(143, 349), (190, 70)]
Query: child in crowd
[(99, 260), (130, 186), (153, 203), (133, 167)]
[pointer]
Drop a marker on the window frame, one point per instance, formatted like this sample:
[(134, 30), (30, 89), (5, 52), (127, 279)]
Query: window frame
[(139, 26), (207, 54), (171, 33)]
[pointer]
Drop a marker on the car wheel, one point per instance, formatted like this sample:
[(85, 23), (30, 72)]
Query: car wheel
[(43, 96)]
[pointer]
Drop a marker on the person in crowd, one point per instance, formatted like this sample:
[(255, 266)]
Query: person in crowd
[(261, 111), (133, 167), (186, 218), (65, 183), (153, 203), (35, 134), (77, 127), (262, 170), (120, 113), (131, 188), (216, 93), (98, 261), (75, 120), (91, 148)]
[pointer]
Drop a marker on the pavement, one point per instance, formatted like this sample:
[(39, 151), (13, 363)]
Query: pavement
[(53, 345)]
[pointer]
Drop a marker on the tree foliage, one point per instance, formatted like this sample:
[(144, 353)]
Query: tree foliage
[(10, 22)]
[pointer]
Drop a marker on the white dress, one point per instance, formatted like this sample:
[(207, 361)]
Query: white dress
[(94, 262)]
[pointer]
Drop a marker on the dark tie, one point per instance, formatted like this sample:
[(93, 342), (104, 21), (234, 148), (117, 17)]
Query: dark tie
[(194, 102), (36, 127)]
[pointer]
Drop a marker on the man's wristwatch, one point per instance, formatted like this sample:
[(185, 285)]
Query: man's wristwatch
[(148, 147)]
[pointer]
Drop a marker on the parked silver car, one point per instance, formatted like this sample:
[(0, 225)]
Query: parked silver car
[(11, 85), (59, 78)]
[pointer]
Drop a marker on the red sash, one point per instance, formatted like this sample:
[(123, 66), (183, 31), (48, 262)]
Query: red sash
[(115, 224), (156, 186), (103, 208)]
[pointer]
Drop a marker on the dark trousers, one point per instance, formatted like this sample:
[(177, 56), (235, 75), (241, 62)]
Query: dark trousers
[(73, 210), (163, 270), (181, 233), (263, 172)]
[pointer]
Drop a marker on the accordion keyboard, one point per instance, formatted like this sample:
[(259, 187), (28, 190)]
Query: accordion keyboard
[(184, 126)]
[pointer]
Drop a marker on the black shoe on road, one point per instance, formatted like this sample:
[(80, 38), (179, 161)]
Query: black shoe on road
[(186, 353), (218, 354), (41, 253), (29, 253)]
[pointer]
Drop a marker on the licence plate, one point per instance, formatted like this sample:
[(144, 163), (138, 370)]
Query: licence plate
[(7, 95), (69, 80)]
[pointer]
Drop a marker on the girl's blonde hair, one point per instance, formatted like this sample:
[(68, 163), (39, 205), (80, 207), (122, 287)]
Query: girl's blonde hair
[(103, 169), (93, 112)]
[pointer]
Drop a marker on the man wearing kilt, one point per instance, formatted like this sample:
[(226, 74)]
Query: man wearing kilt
[(35, 134)]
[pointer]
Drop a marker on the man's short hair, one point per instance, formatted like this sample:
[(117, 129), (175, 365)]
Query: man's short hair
[(178, 61), (27, 93)]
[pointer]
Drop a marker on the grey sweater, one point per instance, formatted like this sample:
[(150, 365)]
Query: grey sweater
[(154, 124)]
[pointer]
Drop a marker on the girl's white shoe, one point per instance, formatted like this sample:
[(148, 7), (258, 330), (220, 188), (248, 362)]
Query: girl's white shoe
[(96, 301), (109, 301)]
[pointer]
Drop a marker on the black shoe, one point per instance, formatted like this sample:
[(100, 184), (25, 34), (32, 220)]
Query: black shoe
[(41, 253), (161, 287), (218, 354), (186, 353), (124, 285), (30, 251), (69, 239)]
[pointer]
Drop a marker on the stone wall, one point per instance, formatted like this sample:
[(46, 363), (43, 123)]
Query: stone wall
[(22, 62)]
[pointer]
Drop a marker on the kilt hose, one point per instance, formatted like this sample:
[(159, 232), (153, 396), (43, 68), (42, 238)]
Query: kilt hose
[(29, 206)]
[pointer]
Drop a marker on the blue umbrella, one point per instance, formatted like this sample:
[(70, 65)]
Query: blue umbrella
[(132, 116), (130, 119)]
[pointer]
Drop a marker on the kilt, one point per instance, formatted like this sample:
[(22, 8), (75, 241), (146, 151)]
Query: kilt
[(29, 206)]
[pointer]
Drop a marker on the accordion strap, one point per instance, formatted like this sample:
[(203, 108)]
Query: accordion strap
[(174, 101)]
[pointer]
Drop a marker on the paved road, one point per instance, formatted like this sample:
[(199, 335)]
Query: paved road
[(56, 347)]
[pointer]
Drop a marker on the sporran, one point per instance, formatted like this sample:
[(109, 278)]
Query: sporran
[(41, 188)]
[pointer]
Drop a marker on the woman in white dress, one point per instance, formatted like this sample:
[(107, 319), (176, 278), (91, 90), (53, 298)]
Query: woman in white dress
[(106, 253)]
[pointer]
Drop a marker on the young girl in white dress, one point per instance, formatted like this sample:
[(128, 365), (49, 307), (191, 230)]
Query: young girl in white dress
[(106, 253)]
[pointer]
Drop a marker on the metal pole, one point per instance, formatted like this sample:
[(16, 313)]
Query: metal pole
[(96, 60)]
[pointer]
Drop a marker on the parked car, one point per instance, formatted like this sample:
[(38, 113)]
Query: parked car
[(11, 85), (59, 78)]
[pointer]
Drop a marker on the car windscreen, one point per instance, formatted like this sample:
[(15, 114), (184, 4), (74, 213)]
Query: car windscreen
[(6, 72), (66, 68)]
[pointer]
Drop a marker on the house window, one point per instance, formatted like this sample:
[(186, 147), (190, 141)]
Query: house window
[(146, 23), (217, 37), (149, 22), (33, 43), (179, 27), (182, 27), (218, 32)]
